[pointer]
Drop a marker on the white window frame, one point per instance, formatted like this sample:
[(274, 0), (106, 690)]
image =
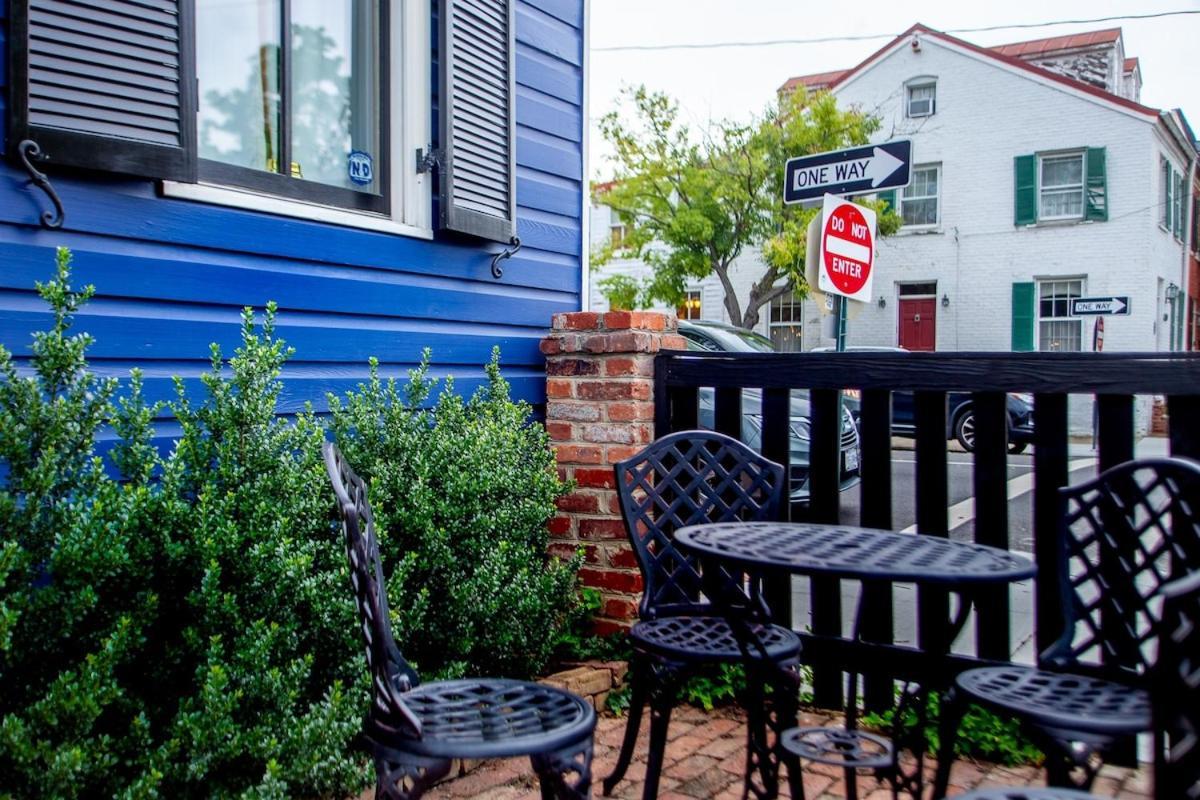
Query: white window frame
[(1041, 158), (794, 304), (926, 82), (901, 198), (617, 232), (410, 130), (1038, 318), (688, 294)]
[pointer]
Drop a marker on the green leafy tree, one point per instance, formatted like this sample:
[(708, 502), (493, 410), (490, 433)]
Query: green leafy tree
[(692, 205)]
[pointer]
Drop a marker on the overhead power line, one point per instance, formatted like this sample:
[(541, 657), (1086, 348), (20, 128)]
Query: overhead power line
[(869, 36)]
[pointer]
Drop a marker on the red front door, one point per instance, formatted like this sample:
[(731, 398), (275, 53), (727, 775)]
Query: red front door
[(918, 323)]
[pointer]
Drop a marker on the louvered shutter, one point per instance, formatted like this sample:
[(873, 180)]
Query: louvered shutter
[(476, 174), (1025, 190), (1023, 297), (106, 84), (1097, 185)]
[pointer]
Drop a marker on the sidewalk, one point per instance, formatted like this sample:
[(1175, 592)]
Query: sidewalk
[(705, 759)]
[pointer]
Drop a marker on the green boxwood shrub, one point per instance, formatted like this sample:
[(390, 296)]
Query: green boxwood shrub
[(181, 626), (462, 491)]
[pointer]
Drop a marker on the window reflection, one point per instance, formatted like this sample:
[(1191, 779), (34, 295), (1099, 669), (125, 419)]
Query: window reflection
[(237, 59), (334, 96), (331, 134)]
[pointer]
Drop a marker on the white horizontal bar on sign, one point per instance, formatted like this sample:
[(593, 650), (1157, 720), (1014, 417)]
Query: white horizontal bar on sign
[(847, 249)]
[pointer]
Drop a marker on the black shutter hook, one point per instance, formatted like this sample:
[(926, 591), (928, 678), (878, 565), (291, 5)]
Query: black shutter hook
[(497, 270), (29, 152)]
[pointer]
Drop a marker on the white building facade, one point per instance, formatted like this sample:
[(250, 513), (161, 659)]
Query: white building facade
[(1037, 178)]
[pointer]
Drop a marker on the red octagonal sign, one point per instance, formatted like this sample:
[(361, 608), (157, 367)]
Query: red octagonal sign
[(847, 249)]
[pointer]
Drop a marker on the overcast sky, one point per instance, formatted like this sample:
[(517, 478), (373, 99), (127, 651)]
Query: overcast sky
[(735, 82)]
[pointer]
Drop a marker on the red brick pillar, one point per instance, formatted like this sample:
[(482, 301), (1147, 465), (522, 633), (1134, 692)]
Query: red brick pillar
[(600, 410)]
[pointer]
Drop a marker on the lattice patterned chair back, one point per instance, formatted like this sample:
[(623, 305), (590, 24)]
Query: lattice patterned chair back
[(391, 675), (1176, 694), (1124, 535), (688, 478)]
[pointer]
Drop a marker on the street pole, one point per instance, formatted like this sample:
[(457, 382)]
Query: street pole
[(841, 324)]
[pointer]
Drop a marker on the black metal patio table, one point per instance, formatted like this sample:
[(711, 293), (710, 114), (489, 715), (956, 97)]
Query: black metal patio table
[(853, 553)]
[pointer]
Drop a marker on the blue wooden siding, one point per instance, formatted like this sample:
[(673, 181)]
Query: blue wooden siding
[(172, 275)]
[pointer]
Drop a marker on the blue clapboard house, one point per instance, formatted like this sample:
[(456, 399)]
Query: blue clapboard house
[(360, 162)]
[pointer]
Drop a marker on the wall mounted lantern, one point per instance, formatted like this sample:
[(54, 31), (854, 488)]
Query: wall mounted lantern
[(945, 300)]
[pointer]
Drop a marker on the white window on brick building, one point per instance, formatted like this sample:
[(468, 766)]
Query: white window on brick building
[(616, 235), (1060, 186), (690, 306), (921, 96), (1057, 330), (919, 201), (784, 326)]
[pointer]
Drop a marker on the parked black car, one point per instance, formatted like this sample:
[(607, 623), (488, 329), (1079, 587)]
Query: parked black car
[(960, 414), (703, 335)]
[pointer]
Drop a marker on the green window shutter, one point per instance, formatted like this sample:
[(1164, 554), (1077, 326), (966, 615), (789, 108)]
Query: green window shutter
[(1180, 188), (889, 200), (1022, 316), (1166, 180), (1097, 186), (1025, 190)]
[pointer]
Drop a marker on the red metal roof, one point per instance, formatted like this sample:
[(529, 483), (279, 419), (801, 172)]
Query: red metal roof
[(1054, 44), (995, 53), (1130, 65), (818, 80)]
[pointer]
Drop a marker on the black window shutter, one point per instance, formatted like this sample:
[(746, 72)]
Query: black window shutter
[(106, 84), (476, 175)]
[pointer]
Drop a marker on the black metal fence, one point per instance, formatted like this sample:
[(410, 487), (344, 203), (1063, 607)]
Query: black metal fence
[(1113, 378)]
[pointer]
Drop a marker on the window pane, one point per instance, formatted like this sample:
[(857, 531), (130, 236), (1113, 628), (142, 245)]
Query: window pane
[(1062, 203), (335, 93), (690, 307), (237, 65), (1060, 335), (1056, 329), (920, 212), (786, 338), (1062, 171), (920, 99)]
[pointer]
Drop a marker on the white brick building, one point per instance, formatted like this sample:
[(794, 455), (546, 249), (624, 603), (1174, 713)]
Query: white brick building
[(1038, 177)]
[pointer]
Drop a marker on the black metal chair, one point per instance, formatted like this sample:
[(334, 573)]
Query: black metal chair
[(1175, 693), (689, 478), (415, 729), (1175, 697), (1124, 535)]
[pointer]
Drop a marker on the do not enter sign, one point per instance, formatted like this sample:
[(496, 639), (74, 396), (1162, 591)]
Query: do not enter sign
[(847, 243)]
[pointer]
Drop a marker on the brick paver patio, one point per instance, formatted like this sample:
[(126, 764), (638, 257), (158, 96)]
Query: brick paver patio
[(705, 757)]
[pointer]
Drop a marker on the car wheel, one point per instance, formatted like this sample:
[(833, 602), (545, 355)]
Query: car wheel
[(964, 430), (1016, 447)]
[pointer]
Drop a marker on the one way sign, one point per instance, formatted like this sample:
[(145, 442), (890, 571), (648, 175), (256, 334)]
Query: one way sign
[(1094, 306), (859, 170)]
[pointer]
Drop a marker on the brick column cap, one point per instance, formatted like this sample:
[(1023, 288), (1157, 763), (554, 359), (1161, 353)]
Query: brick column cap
[(614, 321)]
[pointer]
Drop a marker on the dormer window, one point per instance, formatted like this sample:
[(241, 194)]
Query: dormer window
[(922, 96)]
